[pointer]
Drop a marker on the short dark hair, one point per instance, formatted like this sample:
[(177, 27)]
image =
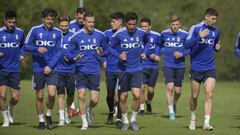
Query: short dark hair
[(88, 14), (10, 14), (174, 18), (211, 11), (131, 16), (117, 15), (49, 12), (64, 18), (81, 10), (147, 20)]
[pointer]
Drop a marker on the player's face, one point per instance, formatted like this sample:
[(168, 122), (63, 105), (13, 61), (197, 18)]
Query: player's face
[(48, 21), (89, 23), (145, 26), (116, 23), (131, 25), (175, 26), (79, 17), (64, 26), (210, 20), (10, 23)]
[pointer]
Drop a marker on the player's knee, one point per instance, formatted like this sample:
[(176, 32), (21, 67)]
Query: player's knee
[(209, 95), (40, 98), (2, 96)]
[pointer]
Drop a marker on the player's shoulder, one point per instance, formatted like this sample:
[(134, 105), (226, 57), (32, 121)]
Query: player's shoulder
[(120, 31), (155, 33), (166, 31), (183, 31)]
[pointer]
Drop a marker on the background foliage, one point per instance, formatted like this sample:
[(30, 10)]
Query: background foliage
[(190, 11)]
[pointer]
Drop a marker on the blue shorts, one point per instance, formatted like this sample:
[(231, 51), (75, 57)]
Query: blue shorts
[(128, 80), (66, 81), (174, 75), (202, 76), (10, 79), (39, 80), (111, 81), (150, 76), (88, 81)]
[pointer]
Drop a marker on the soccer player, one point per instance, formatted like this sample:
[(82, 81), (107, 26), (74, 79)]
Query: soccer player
[(150, 66), (11, 43), (112, 70), (87, 42), (66, 73), (203, 40), (237, 46), (172, 40), (44, 41), (77, 24), (127, 46)]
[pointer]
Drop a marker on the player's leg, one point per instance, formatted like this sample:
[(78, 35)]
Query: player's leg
[(209, 86), (94, 87), (196, 78), (179, 76), (123, 94), (51, 81), (38, 84), (169, 81), (70, 86), (151, 84), (111, 80), (135, 84), (81, 82), (3, 105), (61, 95)]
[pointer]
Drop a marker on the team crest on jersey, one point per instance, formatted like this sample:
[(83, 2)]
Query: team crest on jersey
[(4, 38), (178, 39), (213, 34), (137, 39), (40, 35), (94, 40), (17, 36), (151, 39), (125, 40), (54, 35), (69, 38)]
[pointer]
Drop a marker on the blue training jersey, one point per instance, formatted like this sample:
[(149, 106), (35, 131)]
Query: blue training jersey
[(112, 61), (74, 26), (202, 49), (11, 43), (237, 46), (86, 44), (173, 42), (124, 41), (63, 65), (153, 42), (39, 36)]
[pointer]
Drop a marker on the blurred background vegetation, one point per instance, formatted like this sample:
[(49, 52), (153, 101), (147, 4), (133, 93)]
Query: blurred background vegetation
[(190, 12)]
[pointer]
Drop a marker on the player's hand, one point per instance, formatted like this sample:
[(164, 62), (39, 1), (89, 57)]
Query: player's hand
[(99, 51), (218, 46), (47, 70), (123, 56), (22, 58), (157, 58), (42, 50), (152, 56), (78, 57), (203, 33), (143, 56), (177, 54), (1, 54)]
